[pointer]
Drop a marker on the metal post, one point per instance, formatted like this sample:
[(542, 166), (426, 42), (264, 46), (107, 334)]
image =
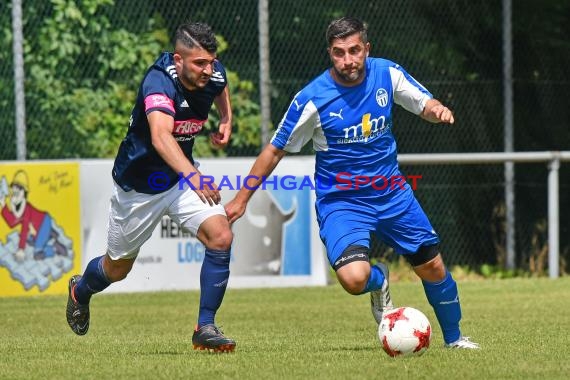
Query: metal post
[(19, 94), (553, 219), (264, 77), (509, 134)]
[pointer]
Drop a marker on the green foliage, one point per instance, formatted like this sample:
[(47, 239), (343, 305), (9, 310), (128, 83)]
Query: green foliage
[(498, 272), (84, 65), (77, 108), (7, 114), (246, 133)]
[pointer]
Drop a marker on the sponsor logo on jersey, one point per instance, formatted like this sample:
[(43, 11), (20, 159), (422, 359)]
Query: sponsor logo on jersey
[(369, 128), (158, 101), (382, 97), (184, 104), (184, 128)]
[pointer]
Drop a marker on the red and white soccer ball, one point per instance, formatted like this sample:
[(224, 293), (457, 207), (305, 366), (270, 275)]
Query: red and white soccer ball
[(404, 331)]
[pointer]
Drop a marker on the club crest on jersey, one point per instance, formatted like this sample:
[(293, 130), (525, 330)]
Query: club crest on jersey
[(382, 97)]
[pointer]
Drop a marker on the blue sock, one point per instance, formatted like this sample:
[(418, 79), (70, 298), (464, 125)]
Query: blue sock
[(444, 299), (93, 281), (213, 282), (375, 280)]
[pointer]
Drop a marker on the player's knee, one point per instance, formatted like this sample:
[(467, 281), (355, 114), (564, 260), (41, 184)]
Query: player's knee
[(434, 270), (354, 284), (428, 263), (117, 270), (221, 241), (353, 269)]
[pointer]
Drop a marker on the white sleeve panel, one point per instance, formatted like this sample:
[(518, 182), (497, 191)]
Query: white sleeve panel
[(303, 129), (406, 93), (319, 139)]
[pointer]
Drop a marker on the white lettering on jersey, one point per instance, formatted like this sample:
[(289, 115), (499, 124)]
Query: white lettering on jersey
[(368, 128)]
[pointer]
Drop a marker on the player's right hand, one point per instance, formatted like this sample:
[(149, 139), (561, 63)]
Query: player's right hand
[(234, 210), (207, 191)]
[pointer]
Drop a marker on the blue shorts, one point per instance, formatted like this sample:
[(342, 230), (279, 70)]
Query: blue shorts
[(351, 221)]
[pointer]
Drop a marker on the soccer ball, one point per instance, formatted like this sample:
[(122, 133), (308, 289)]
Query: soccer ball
[(404, 331)]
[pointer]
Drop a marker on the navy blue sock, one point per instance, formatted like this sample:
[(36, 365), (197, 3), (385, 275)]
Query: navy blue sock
[(213, 282), (375, 280), (93, 281), (444, 299)]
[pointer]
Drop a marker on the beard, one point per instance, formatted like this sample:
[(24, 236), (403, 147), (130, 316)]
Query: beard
[(194, 81), (350, 77)]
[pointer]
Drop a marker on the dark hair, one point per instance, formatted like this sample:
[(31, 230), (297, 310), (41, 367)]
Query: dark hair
[(344, 27), (196, 34)]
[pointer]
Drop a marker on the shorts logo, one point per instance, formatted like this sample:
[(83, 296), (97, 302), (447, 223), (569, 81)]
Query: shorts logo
[(348, 259), (382, 97)]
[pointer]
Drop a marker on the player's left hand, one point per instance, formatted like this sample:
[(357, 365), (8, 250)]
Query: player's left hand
[(221, 138), (443, 114)]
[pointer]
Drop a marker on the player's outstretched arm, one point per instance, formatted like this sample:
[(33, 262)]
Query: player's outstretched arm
[(262, 167), (221, 138), (435, 112)]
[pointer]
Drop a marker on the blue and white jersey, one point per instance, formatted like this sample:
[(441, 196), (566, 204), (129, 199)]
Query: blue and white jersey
[(161, 91), (351, 128)]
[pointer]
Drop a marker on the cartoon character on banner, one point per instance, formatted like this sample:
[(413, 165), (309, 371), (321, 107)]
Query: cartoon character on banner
[(39, 239)]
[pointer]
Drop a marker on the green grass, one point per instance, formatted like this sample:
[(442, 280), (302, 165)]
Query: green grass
[(296, 333)]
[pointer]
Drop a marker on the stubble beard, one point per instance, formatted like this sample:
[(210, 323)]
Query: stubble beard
[(350, 77)]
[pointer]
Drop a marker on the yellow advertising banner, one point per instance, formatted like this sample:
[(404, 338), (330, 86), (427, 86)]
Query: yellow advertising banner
[(40, 227)]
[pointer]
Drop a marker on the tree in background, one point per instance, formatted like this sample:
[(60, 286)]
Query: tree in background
[(84, 63)]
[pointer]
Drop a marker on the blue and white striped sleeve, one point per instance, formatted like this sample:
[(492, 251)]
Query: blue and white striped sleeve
[(297, 126)]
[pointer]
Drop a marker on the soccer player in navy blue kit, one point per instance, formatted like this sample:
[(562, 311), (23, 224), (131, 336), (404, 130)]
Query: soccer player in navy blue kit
[(171, 108), (347, 112)]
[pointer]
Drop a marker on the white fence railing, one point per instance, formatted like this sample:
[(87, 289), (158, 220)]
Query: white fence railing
[(553, 158)]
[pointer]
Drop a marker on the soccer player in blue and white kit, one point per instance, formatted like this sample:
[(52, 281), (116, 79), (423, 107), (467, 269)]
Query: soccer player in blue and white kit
[(347, 112), (171, 108)]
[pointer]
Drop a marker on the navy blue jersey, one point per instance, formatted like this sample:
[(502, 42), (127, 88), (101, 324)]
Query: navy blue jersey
[(351, 129), (161, 91)]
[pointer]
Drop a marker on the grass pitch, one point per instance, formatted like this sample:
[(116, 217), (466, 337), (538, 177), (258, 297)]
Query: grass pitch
[(296, 333)]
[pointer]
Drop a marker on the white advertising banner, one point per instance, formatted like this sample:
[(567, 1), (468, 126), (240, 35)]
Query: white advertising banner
[(276, 243)]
